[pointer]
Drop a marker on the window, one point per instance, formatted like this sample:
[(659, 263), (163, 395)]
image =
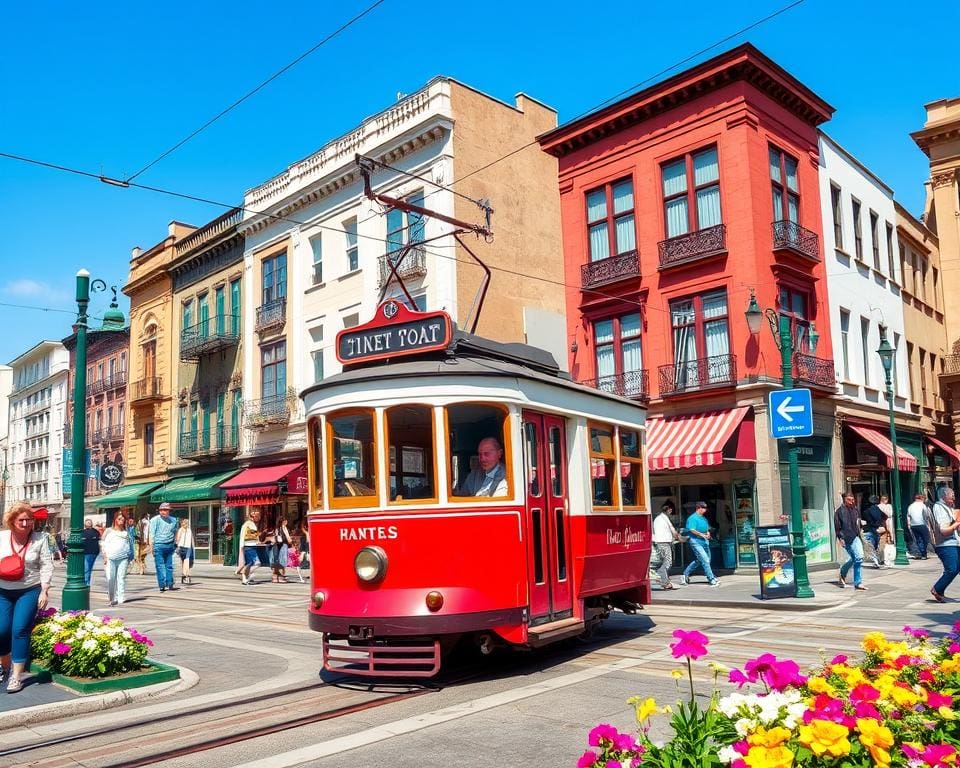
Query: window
[(274, 278), (99, 371), (619, 358), (701, 329), (603, 465), (922, 365), (903, 266), (316, 245), (865, 348), (610, 221), (111, 368), (235, 308), (910, 372), (410, 444), (404, 227), (875, 239), (353, 253), (273, 371), (837, 216), (148, 444), (786, 190), (203, 314), (857, 229), (631, 468), (220, 310), (351, 437), (478, 435), (891, 264), (922, 292), (187, 314), (349, 321), (315, 463), (123, 361), (316, 336), (691, 207), (935, 298), (794, 303), (934, 387), (845, 342)]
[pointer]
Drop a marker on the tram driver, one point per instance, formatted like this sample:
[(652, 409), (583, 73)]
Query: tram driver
[(490, 478)]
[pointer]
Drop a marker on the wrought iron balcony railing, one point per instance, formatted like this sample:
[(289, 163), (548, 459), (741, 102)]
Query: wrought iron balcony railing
[(146, 390), (217, 441), (107, 435), (632, 384), (610, 270), (268, 412), (209, 336), (790, 235), (817, 371), (36, 453), (414, 264), (114, 381), (690, 375), (693, 246), (272, 314), (40, 405)]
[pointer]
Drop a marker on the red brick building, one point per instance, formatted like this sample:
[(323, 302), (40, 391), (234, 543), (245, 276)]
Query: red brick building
[(676, 204)]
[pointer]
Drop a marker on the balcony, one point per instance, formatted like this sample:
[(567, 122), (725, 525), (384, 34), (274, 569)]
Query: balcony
[(107, 383), (693, 246), (271, 315), (40, 405), (414, 264), (146, 391), (268, 412), (36, 453), (790, 236), (695, 375), (209, 336), (610, 270), (632, 384), (814, 371), (113, 434), (218, 441)]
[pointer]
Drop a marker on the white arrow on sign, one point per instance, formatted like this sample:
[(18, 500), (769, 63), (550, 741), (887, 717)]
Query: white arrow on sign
[(785, 409)]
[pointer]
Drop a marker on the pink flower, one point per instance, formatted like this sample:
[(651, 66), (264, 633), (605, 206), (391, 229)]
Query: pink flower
[(954, 648), (934, 755), (935, 700), (778, 675), (864, 692), (588, 759), (864, 709), (840, 659), (742, 747), (736, 676), (613, 764), (693, 644), (601, 732), (624, 742), (61, 649), (916, 632)]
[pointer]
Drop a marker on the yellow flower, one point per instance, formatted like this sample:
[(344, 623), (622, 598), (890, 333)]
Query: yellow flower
[(877, 738), (667, 710), (950, 666), (824, 737), (874, 642), (645, 709), (676, 674), (769, 757), (851, 676), (718, 669), (904, 698), (819, 685), (769, 738), (947, 713)]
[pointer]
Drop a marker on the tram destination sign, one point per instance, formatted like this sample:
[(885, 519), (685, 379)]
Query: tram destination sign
[(394, 331)]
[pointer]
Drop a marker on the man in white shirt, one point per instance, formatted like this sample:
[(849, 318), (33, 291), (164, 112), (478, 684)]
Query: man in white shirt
[(918, 525), (490, 478), (664, 534)]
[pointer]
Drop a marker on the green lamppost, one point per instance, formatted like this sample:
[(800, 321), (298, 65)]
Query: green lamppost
[(780, 327), (886, 352), (76, 594)]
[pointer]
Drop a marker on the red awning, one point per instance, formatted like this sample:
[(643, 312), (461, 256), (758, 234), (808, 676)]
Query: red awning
[(951, 452), (261, 485), (905, 462), (41, 514), (699, 439)]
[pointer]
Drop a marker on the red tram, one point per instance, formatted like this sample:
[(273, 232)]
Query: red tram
[(461, 487)]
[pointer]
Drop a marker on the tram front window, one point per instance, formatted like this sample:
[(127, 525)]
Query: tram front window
[(352, 438), (478, 456), (410, 437)]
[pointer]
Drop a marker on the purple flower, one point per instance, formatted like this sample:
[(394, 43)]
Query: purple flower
[(916, 633), (61, 649), (587, 759)]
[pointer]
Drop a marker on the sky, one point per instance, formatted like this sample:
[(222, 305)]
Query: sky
[(107, 87)]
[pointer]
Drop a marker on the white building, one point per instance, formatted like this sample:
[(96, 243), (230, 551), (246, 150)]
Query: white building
[(37, 412), (6, 385)]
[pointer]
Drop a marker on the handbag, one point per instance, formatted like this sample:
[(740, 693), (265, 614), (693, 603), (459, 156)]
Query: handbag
[(13, 566)]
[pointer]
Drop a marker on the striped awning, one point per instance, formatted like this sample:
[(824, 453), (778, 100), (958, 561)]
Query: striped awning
[(951, 452), (905, 462), (698, 439)]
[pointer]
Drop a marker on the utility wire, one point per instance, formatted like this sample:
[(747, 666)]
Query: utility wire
[(260, 87)]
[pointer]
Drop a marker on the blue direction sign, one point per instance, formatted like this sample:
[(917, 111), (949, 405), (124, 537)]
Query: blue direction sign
[(791, 413)]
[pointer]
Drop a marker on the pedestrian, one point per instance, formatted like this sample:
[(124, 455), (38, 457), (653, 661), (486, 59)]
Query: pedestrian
[(163, 530), (918, 525), (185, 546), (91, 548), (279, 542), (698, 529), (249, 546), (875, 529), (944, 522), (116, 546), (142, 544), (846, 522), (304, 542), (24, 589), (664, 534)]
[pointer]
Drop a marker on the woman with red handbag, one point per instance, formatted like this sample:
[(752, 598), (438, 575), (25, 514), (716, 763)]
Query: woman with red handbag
[(26, 568)]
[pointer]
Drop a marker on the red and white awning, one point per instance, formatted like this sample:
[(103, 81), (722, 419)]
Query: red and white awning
[(951, 452), (905, 462), (261, 485), (699, 439)]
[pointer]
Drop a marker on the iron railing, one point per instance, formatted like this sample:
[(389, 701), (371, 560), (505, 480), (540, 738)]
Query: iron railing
[(632, 384), (789, 234), (107, 435), (267, 412), (216, 441), (690, 375), (36, 453), (146, 389), (271, 314), (610, 270), (414, 264), (40, 405), (209, 336), (107, 383), (693, 246), (818, 371)]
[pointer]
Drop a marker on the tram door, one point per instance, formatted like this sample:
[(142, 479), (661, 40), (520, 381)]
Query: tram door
[(548, 545)]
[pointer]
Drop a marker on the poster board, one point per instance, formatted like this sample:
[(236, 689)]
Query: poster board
[(775, 557)]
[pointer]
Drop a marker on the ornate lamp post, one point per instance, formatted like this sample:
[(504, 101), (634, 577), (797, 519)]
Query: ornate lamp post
[(76, 594), (780, 328), (886, 352)]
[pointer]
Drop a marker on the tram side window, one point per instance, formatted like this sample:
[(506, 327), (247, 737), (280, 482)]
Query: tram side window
[(410, 440), (315, 463), (353, 453), (603, 464), (479, 456), (631, 469)]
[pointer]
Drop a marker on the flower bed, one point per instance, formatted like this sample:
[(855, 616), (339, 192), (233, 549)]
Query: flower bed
[(893, 707)]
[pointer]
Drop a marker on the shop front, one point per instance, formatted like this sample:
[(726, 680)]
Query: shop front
[(197, 497), (868, 457), (943, 461), (817, 501), (132, 499)]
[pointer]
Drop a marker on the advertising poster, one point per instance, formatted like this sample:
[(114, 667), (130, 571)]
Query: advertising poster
[(775, 556)]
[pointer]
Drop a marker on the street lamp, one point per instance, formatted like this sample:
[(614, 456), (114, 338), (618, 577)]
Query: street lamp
[(886, 352), (76, 594), (780, 328)]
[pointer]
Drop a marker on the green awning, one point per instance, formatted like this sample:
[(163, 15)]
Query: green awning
[(127, 496), (192, 488)]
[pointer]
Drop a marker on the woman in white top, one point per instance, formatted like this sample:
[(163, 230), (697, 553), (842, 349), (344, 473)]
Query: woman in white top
[(664, 534), (21, 597), (185, 545), (115, 546)]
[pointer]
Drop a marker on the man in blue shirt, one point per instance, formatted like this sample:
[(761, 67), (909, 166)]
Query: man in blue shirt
[(698, 530), (163, 531)]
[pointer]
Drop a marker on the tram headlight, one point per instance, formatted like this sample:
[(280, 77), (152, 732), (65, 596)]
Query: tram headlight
[(318, 599), (434, 600), (370, 564)]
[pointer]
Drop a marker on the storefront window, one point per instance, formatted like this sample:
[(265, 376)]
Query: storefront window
[(815, 509), (603, 463)]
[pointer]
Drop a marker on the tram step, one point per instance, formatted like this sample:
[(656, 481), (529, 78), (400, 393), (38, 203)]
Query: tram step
[(556, 630)]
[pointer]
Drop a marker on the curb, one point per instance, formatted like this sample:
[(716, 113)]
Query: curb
[(756, 605)]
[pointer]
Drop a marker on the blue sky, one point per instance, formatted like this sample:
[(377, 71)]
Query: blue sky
[(106, 87)]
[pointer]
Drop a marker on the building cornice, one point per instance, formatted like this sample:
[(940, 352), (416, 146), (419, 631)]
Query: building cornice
[(949, 130)]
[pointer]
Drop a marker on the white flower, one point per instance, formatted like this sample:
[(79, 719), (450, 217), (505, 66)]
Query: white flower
[(728, 754), (89, 644)]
